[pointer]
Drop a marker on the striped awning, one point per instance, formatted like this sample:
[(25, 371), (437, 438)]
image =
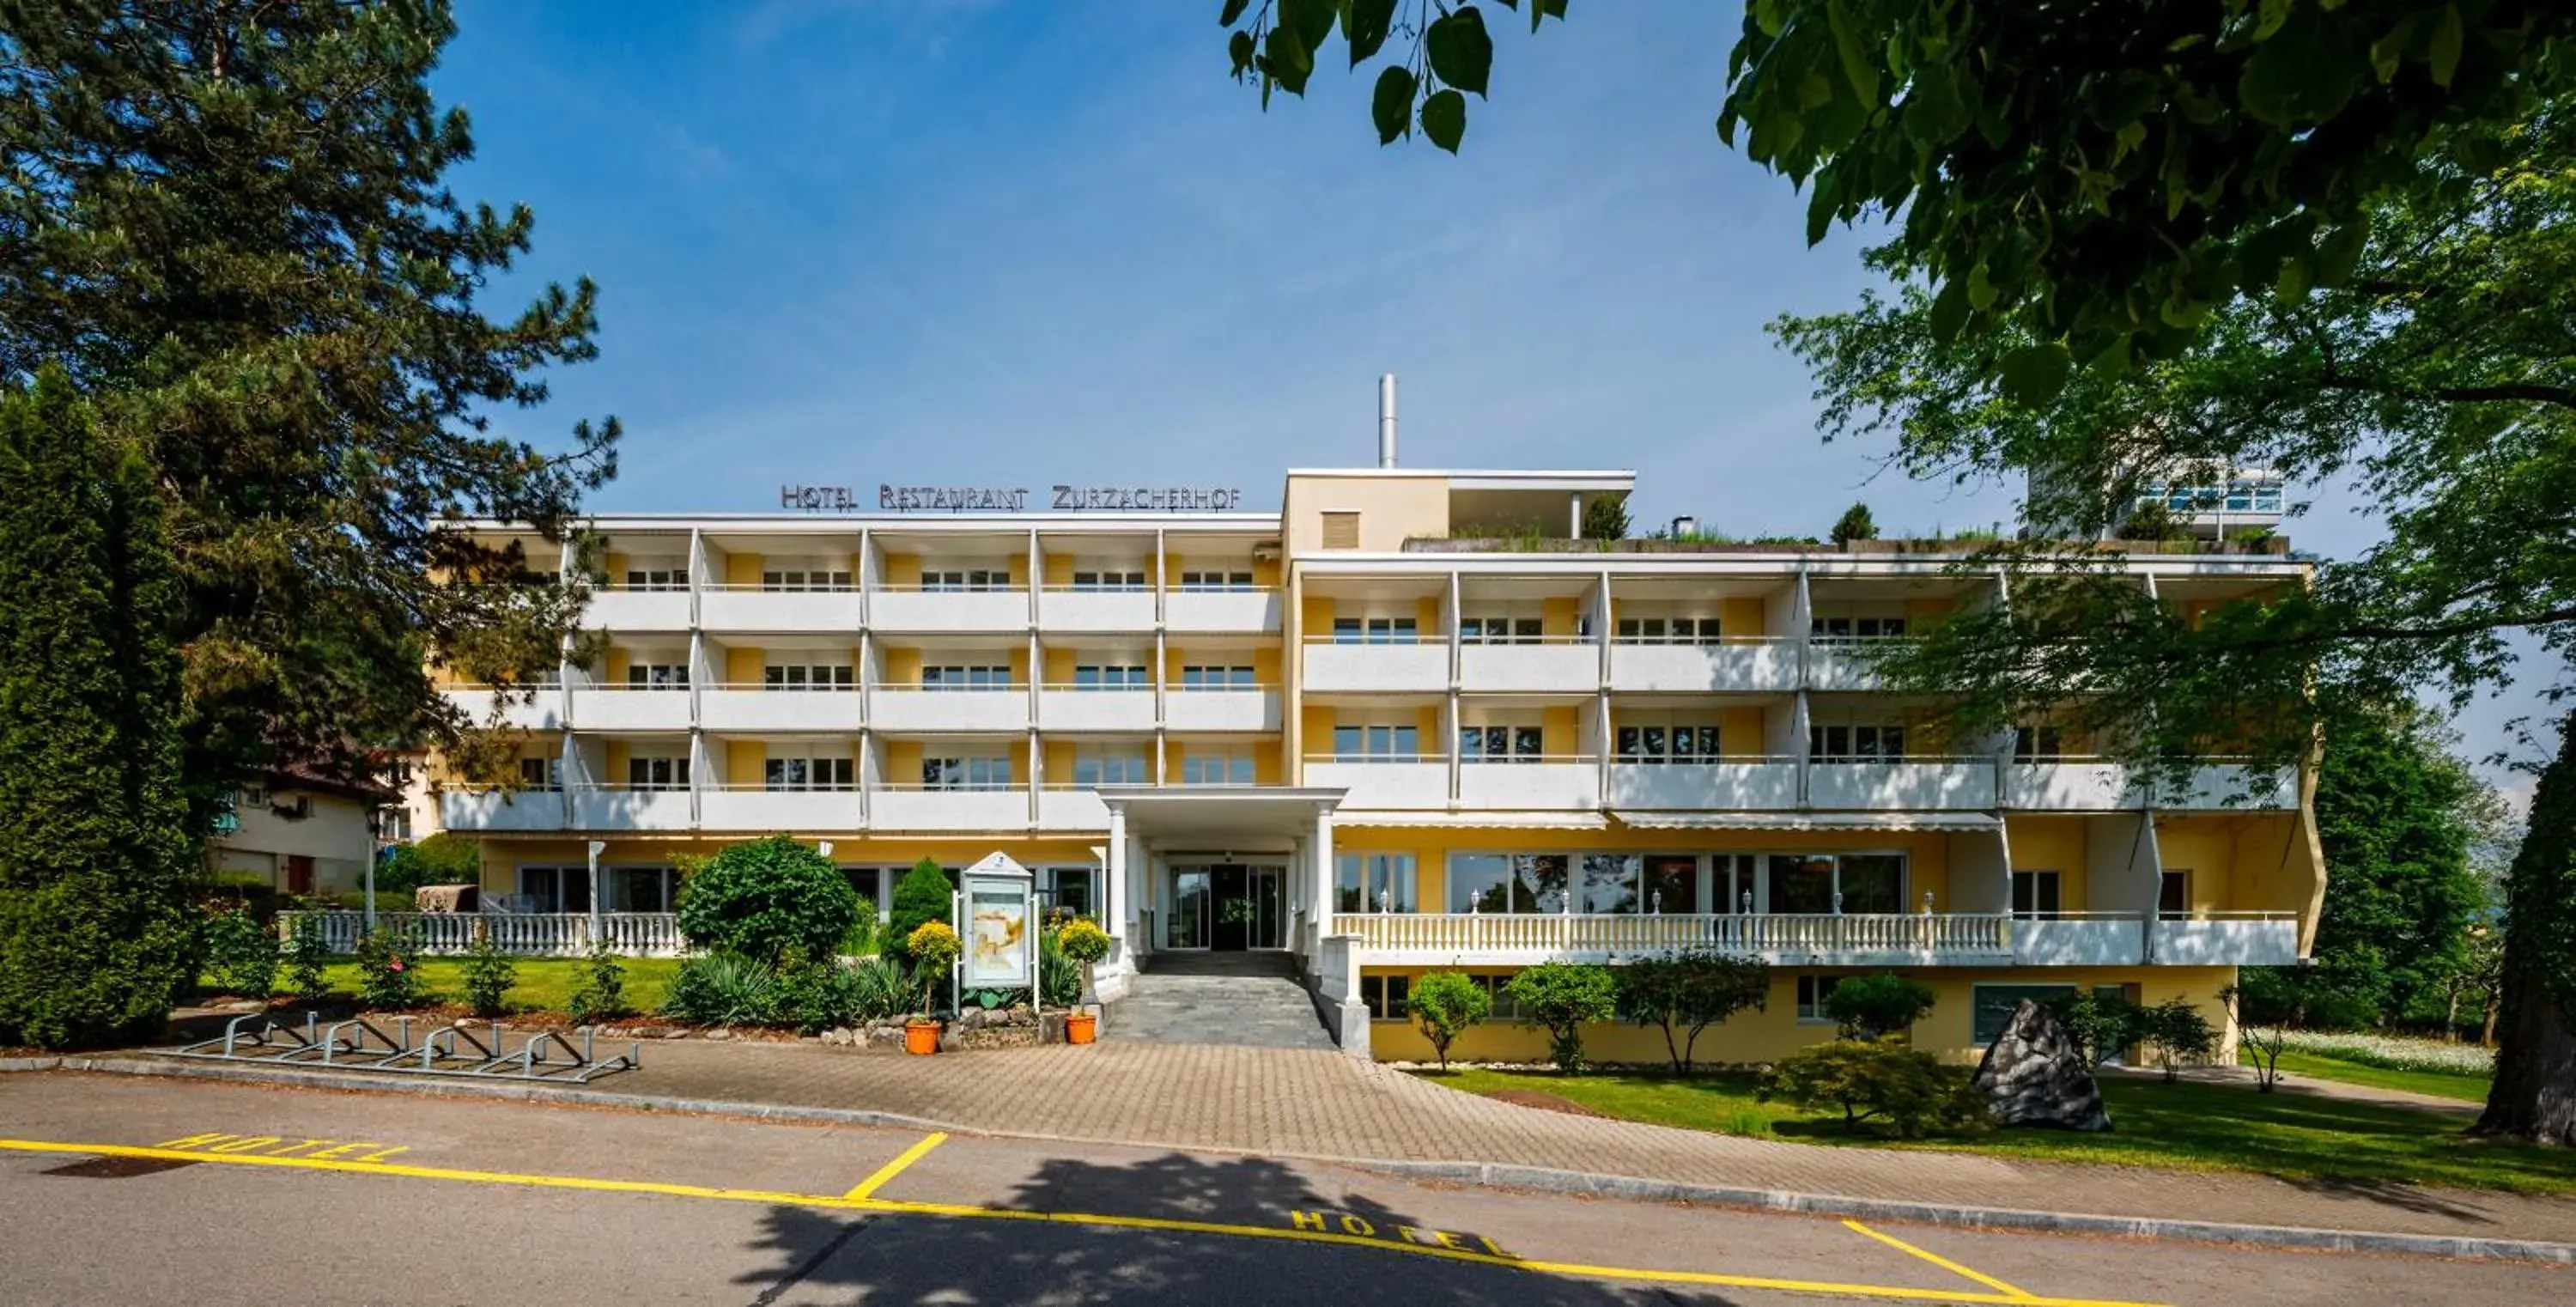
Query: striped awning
[(1798, 821)]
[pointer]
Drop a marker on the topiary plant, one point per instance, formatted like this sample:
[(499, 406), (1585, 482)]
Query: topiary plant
[(934, 948), (1871, 1007), (761, 900), (923, 895)]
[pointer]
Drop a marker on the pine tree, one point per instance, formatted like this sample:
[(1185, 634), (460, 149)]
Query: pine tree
[(95, 860), (1855, 524)]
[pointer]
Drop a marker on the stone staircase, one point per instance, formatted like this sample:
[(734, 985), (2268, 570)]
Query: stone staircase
[(1248, 1000)]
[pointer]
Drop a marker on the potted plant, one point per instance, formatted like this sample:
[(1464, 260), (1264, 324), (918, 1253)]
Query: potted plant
[(1085, 943), (934, 948)]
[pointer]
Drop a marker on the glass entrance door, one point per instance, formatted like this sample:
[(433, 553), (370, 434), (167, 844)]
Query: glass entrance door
[(1228, 907)]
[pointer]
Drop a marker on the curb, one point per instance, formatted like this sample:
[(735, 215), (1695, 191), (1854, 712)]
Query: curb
[(1490, 1174)]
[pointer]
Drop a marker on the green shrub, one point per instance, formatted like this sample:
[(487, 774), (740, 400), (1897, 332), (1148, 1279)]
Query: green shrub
[(1059, 976), (860, 940), (934, 947), (241, 954), (1905, 1090), (486, 977), (1563, 996), (724, 989), (388, 970), (879, 988), (306, 956), (1874, 1007), (1684, 994), (816, 996), (2178, 1031), (441, 859), (601, 995), (766, 898), (1445, 1004), (2101, 1026), (921, 897)]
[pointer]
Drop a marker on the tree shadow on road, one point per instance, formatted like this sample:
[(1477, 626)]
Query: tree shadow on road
[(822, 1256)]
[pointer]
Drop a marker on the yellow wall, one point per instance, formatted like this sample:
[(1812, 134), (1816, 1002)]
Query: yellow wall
[(903, 762), (744, 762), (902, 571), (1269, 762), (1020, 665), (903, 666), (1557, 618), (1428, 719), (1391, 508), (1315, 614), (1927, 860), (1265, 665), (1559, 732), (1739, 731), (1426, 617), (616, 568), (1059, 763), (616, 664), (1918, 608), (1059, 570), (1019, 570), (1741, 616), (1059, 666), (742, 569), (2048, 843), (617, 755), (2203, 848), (1265, 571), (744, 665), (1316, 726)]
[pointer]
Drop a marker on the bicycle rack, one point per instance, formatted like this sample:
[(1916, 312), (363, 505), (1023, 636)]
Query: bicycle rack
[(456, 1049)]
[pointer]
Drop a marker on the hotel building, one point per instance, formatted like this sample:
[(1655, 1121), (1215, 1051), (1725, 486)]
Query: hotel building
[(1398, 725)]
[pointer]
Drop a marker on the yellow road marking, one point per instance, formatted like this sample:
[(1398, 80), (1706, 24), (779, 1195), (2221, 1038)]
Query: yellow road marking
[(1938, 1260), (868, 1187), (1107, 1220)]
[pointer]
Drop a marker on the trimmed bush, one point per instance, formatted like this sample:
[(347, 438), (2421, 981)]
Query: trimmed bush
[(921, 897), (487, 975), (1874, 1007), (441, 859), (1686, 993), (934, 947), (1563, 996), (1907, 1091), (1445, 1004), (241, 955), (764, 899)]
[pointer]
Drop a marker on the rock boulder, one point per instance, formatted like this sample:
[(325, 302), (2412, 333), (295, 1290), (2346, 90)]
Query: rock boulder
[(2035, 1073)]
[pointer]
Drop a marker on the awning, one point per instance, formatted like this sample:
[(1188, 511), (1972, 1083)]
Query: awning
[(1797, 821), (1475, 820), (1219, 811)]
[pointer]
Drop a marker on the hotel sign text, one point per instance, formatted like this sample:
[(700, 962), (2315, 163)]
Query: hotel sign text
[(1015, 499)]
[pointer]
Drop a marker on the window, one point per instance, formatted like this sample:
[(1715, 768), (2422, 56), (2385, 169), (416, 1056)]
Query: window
[(1608, 884), (972, 578), (1203, 765), (1871, 883), (1375, 630), (1801, 885), (809, 774), (1667, 630), (1341, 530), (1217, 678), (1498, 744), (806, 676), (657, 676), (1855, 628), (1126, 676), (1215, 579), (1100, 767), (965, 773), (1812, 993), (1133, 579), (554, 889), (2173, 894), (658, 772), (1373, 882), (2034, 743), (641, 889), (540, 773), (1679, 742), (1066, 889), (1385, 996), (1848, 883), (1376, 743), (1872, 743), (1671, 884), (1499, 630), (1506, 1008), (966, 678), (805, 579), (1731, 879), (674, 577), (870, 884), (1991, 1006), (2035, 894), (1508, 883)]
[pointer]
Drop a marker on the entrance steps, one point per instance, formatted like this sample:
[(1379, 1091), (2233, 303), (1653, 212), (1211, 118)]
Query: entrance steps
[(1244, 999)]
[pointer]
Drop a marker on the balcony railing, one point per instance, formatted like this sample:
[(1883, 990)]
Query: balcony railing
[(538, 934), (2099, 939), (912, 608), (613, 707), (1553, 664), (1736, 663), (752, 608), (1416, 668), (528, 708), (1383, 781), (1247, 612), (760, 808), (1078, 707), (757, 706), (1755, 784), (1222, 708), (1875, 939), (1095, 608), (963, 710), (1913, 784), (1530, 782)]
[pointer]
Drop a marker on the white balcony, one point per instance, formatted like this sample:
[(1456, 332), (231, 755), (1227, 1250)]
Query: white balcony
[(500, 810), (2228, 939), (1841, 665), (749, 608), (1734, 666), (755, 708), (1721, 786), (947, 711), (949, 810), (2232, 785), (2069, 786), (1096, 610), (1902, 786), (1222, 710), (1573, 784), (542, 712), (1379, 786), (1568, 667), (1832, 939), (603, 808), (1072, 810), (1067, 708), (1234, 612), (1377, 668), (948, 610), (617, 708), (778, 810), (638, 610), (2080, 940)]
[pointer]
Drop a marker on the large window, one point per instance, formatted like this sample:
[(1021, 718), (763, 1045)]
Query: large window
[(1215, 578), (1375, 630), (1111, 676), (1112, 767), (1363, 743), (981, 677), (1067, 889), (2035, 894), (1387, 997), (1843, 627), (541, 773), (1731, 879), (642, 889), (1373, 882), (1850, 882), (2173, 893), (1499, 630), (1218, 765), (1881, 742), (2038, 743), (674, 577), (970, 578), (805, 578), (1991, 1006), (1128, 579), (806, 676), (554, 889), (1508, 883), (658, 772), (873, 885), (657, 676), (1609, 883), (965, 773), (1671, 884), (1812, 993), (1498, 743), (1677, 742), (805, 773), (1667, 630), (1213, 677)]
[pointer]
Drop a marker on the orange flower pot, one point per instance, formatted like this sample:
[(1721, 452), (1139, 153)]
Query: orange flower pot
[(1081, 1028), (921, 1038)]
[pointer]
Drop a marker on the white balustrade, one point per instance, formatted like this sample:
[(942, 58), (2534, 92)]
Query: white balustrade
[(1825, 938), (530, 934)]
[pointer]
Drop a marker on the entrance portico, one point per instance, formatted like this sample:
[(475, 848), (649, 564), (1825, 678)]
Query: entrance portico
[(1218, 868)]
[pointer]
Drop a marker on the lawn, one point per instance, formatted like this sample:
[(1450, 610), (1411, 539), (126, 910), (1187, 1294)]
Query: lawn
[(2190, 1126), (544, 984), (2440, 1084)]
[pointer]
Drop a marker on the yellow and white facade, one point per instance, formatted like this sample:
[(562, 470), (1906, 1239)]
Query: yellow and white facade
[(1398, 725)]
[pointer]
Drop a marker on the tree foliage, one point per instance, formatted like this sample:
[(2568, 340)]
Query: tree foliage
[(2178, 1033), (96, 872), (766, 899), (1855, 524), (1683, 994), (1876, 1006), (231, 224), (1444, 1004), (441, 859), (1909, 1092), (924, 895), (1564, 997), (1442, 54)]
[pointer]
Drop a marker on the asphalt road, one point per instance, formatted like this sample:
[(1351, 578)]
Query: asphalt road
[(117, 1189)]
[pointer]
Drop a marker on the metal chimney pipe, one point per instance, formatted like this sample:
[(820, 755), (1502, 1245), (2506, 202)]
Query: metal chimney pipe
[(1386, 420)]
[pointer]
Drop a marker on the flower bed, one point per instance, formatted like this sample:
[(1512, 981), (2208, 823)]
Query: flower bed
[(2395, 1052)]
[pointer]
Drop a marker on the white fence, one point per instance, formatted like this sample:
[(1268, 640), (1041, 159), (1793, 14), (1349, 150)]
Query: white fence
[(538, 934), (1824, 937)]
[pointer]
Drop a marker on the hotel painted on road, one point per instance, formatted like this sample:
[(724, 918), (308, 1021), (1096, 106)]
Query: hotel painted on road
[(1396, 726)]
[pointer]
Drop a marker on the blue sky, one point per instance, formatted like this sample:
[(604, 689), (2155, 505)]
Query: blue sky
[(972, 241)]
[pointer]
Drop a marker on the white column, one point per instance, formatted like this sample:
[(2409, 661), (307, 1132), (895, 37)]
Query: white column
[(1322, 890), (1114, 894)]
